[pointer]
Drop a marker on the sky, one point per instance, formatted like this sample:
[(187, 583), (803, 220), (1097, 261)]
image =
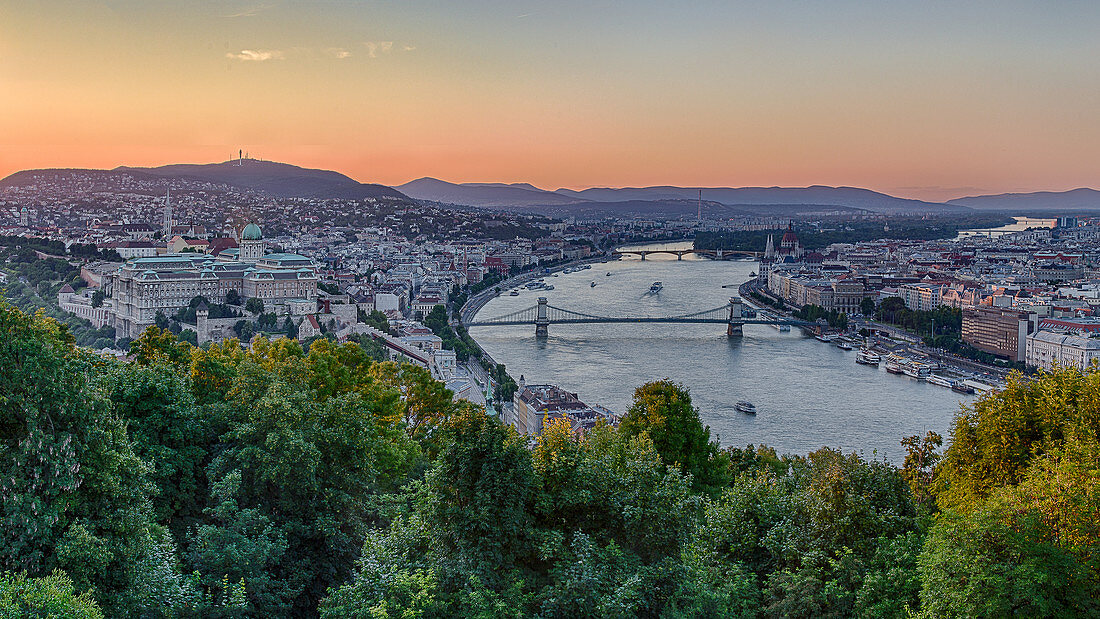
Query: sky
[(930, 99)]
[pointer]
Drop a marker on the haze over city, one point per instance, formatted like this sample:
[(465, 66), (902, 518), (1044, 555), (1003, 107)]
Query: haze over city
[(985, 97)]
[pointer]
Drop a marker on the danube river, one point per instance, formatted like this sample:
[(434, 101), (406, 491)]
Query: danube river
[(808, 394)]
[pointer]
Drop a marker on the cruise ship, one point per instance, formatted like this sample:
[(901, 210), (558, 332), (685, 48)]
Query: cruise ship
[(867, 357)]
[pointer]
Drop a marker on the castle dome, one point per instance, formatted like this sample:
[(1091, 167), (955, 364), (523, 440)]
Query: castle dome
[(251, 232)]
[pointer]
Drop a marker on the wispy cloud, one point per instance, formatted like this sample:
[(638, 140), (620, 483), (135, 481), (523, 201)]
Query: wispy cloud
[(251, 11), (337, 52), (256, 55), (378, 48), (408, 48)]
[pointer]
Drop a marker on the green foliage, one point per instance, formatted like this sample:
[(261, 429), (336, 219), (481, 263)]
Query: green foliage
[(663, 410), (375, 319), (436, 320), (991, 564), (232, 298), (254, 305), (75, 496), (811, 312), (276, 480), (995, 439), (48, 596)]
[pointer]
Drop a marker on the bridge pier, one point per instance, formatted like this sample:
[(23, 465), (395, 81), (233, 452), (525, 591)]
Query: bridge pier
[(735, 325), (643, 254), (542, 321), (679, 255)]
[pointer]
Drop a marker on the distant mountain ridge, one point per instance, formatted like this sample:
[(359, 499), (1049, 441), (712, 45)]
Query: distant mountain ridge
[(286, 180), (485, 195), (280, 180), (630, 199), (1082, 198)]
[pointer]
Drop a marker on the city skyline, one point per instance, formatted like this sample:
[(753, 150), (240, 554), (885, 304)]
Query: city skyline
[(931, 104)]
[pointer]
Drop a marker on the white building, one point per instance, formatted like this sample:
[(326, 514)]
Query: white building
[(1045, 349)]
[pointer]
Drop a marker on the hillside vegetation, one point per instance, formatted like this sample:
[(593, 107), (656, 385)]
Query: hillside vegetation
[(273, 482)]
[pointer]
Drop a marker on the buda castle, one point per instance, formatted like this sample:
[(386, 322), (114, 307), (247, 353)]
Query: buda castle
[(142, 287)]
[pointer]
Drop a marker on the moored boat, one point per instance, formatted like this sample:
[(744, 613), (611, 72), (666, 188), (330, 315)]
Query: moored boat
[(893, 364), (961, 387), (825, 338), (866, 357), (942, 381), (916, 369), (843, 345)]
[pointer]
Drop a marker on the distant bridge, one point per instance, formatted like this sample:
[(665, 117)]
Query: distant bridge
[(714, 254), (543, 314)]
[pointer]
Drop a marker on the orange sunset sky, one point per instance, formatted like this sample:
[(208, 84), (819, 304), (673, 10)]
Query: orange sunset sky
[(930, 100)]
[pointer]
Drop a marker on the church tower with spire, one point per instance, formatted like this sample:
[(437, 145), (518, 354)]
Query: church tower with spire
[(168, 215)]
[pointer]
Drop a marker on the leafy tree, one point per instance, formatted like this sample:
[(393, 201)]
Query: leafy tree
[(867, 306), (156, 345), (377, 320), (189, 336), (48, 596), (480, 495), (232, 297), (73, 494), (267, 321), (309, 443), (244, 329), (920, 462), (663, 410), (995, 440), (97, 298), (254, 305), (981, 565), (426, 404), (168, 433)]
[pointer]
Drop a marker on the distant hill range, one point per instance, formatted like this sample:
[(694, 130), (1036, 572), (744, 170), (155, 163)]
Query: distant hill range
[(276, 179), (1073, 200), (285, 180), (668, 200)]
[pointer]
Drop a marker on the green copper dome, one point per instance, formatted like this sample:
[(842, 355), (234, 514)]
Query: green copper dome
[(251, 233)]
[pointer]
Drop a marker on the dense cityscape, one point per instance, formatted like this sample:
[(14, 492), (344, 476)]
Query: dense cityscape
[(566, 310)]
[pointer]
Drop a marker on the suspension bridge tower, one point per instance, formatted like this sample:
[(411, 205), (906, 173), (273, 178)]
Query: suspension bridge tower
[(735, 326), (542, 320)]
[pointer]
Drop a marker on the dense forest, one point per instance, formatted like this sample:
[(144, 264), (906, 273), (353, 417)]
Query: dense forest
[(275, 482)]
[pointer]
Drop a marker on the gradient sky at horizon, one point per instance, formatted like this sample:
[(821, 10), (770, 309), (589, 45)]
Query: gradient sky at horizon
[(920, 99)]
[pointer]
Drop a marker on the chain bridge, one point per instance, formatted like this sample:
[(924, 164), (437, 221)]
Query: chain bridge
[(543, 315), (713, 254)]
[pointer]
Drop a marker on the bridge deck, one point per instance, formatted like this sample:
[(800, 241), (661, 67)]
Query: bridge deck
[(640, 319)]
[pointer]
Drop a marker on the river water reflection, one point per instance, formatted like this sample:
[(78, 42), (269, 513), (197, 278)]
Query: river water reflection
[(808, 394)]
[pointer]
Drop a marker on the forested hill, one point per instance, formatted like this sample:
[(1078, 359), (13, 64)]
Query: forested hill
[(278, 482)]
